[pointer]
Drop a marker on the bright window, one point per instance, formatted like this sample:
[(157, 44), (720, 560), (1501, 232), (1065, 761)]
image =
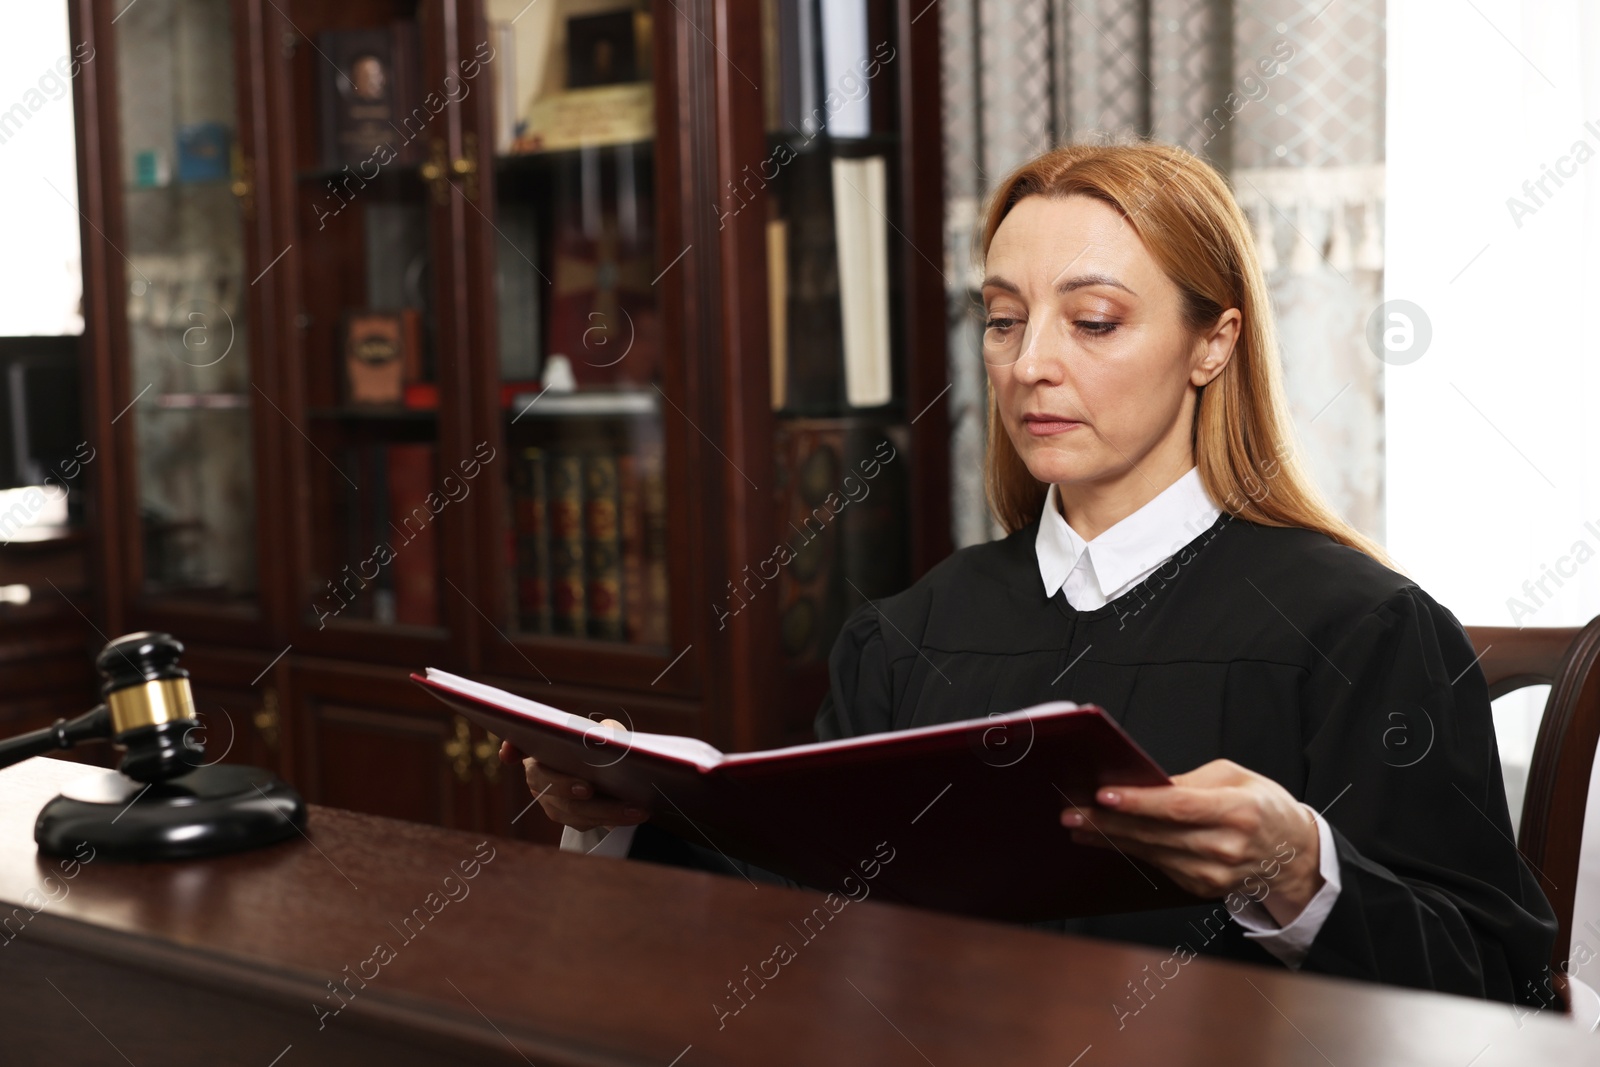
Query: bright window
[(41, 280)]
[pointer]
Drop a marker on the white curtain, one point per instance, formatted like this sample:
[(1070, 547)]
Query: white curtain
[(1494, 237), (1285, 99)]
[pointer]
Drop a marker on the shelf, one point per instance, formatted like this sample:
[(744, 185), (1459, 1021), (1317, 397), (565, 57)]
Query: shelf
[(596, 403), (374, 414), (203, 401), (541, 159), (225, 183), (33, 538), (894, 411), (393, 171), (824, 143)]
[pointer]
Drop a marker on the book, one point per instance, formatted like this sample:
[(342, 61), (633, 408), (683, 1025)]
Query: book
[(814, 355), (531, 541), (203, 151), (602, 548), (503, 69), (367, 90), (653, 488), (860, 219), (801, 109), (771, 67), (813, 599), (845, 59), (382, 353), (969, 810), (630, 515), (778, 309), (568, 613)]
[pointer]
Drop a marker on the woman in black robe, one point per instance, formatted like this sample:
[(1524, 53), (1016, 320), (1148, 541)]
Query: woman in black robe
[(1169, 561)]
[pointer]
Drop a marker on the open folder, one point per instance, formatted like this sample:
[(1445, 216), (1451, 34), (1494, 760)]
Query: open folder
[(967, 813)]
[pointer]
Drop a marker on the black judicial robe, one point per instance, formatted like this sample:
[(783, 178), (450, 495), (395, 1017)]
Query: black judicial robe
[(1299, 658)]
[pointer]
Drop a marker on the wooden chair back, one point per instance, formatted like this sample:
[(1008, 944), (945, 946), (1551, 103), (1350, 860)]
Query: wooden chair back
[(1550, 837)]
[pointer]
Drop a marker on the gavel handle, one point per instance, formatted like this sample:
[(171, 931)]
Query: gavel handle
[(63, 733)]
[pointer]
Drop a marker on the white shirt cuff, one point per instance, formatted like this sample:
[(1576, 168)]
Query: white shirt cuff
[(601, 841), (1291, 943)]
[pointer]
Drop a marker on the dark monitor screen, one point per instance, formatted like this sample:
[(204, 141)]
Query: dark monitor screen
[(39, 409)]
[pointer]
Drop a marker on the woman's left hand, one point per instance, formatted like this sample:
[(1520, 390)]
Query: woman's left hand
[(1216, 830)]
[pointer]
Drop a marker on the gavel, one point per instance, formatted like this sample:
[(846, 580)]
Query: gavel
[(166, 802), (147, 711)]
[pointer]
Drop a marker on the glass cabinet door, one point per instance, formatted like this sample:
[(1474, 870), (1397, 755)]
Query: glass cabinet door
[(835, 249), (188, 342), (579, 337), (370, 160)]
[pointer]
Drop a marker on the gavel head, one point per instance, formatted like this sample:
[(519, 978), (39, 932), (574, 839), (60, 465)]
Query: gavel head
[(152, 709)]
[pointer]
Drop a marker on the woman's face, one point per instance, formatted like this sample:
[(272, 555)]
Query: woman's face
[(1093, 370)]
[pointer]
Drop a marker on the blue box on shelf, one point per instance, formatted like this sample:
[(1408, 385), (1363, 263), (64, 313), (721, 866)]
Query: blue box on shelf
[(203, 151)]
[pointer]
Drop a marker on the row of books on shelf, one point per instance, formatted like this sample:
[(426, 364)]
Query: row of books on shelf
[(828, 291), (819, 60), (588, 543)]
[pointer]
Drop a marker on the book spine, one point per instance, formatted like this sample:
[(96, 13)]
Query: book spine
[(807, 59), (812, 594), (844, 58), (653, 481), (504, 69), (860, 211), (815, 369), (567, 605), (602, 548), (530, 524), (778, 309), (874, 530), (771, 68), (629, 504)]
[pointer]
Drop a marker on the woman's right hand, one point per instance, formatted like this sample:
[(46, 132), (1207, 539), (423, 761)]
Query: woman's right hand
[(572, 801)]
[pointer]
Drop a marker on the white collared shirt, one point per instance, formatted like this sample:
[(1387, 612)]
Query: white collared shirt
[(1092, 574), (1096, 572)]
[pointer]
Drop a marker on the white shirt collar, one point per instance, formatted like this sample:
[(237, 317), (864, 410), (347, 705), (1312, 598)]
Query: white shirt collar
[(1129, 551)]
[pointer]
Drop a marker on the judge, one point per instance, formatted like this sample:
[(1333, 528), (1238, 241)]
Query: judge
[(1169, 560)]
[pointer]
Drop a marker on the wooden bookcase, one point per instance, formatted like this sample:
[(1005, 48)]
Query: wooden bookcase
[(231, 498)]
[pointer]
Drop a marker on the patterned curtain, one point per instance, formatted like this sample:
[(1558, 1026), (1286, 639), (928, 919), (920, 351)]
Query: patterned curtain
[(1285, 99)]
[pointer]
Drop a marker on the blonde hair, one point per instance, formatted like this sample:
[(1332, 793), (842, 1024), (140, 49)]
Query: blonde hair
[(1185, 214)]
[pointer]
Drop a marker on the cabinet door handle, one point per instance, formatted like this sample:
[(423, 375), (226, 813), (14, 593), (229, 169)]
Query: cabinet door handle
[(433, 171), (488, 753), (465, 167), (458, 750), (243, 186), (266, 719)]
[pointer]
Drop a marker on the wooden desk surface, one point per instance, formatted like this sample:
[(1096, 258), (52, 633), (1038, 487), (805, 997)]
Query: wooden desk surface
[(555, 959)]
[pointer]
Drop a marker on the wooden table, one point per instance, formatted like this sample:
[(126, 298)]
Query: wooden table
[(554, 959)]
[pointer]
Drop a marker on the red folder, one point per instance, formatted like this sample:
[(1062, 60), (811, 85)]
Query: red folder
[(961, 817)]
